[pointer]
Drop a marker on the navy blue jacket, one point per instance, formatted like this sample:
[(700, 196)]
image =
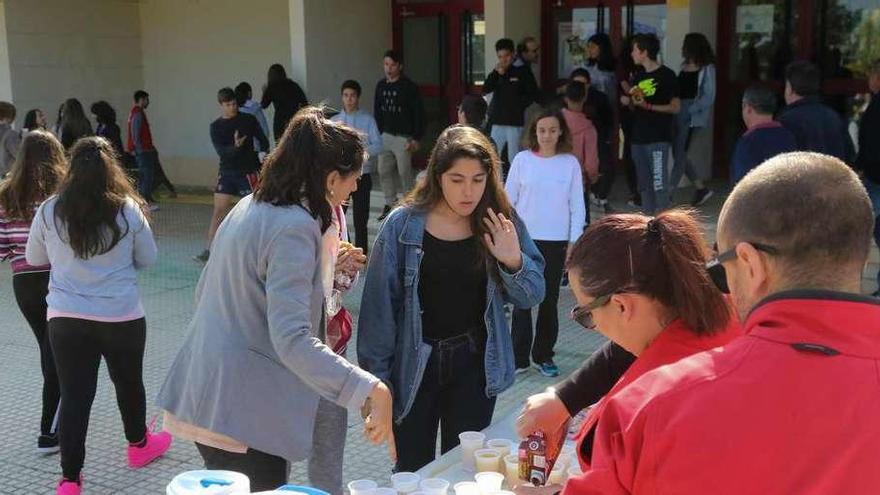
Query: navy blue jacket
[(816, 127), (868, 160), (758, 144)]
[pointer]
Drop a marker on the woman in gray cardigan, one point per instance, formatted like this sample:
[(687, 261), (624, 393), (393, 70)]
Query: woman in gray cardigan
[(246, 384)]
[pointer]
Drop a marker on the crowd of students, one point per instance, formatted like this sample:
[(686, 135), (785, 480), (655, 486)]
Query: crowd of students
[(476, 236)]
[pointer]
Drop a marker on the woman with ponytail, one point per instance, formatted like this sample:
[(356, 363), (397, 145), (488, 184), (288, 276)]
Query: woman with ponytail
[(641, 282), (253, 382)]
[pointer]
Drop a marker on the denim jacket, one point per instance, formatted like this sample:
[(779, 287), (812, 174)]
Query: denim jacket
[(389, 343), (700, 108)]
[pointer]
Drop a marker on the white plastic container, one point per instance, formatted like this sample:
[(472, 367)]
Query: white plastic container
[(471, 441), (489, 482), (488, 460), (502, 445), (362, 487), (466, 488), (405, 482), (511, 470), (208, 482), (434, 486)]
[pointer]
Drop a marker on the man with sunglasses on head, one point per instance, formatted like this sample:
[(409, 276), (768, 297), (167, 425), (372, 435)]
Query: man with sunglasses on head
[(790, 407)]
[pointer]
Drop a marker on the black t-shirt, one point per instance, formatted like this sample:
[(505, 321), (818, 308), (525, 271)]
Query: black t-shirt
[(452, 288), (238, 159), (688, 83), (659, 88)]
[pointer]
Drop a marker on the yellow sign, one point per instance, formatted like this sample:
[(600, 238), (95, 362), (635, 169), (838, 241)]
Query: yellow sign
[(680, 4)]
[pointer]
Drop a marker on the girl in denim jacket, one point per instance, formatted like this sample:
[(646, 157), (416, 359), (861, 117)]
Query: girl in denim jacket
[(432, 321)]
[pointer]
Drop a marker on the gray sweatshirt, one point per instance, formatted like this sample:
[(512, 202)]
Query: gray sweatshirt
[(103, 286)]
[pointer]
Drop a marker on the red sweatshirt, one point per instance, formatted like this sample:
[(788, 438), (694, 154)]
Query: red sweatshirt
[(675, 342), (792, 407)]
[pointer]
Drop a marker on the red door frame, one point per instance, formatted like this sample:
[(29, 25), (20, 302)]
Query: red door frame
[(452, 11), (806, 29)]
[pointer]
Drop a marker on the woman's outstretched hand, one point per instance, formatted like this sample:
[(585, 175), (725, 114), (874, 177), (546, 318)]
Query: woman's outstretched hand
[(503, 241), (378, 415)]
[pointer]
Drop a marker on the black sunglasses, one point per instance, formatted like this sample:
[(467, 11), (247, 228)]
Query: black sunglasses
[(715, 265), (583, 315)]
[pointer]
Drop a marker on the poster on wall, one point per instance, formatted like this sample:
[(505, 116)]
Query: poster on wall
[(754, 19), (573, 45)]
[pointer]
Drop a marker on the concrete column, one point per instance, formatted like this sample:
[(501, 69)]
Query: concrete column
[(298, 61), (5, 72)]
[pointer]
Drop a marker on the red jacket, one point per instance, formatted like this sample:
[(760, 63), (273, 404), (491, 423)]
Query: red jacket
[(675, 342), (584, 142), (146, 137), (792, 407)]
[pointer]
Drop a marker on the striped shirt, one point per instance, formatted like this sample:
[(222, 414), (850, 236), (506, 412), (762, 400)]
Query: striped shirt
[(13, 239)]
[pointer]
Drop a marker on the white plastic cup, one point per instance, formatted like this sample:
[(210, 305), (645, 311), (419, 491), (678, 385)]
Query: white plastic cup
[(489, 481), (471, 441), (466, 488), (558, 476), (362, 487), (488, 460), (511, 470), (405, 482), (383, 491), (502, 445), (434, 486)]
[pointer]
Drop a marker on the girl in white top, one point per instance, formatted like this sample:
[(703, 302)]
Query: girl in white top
[(545, 188)]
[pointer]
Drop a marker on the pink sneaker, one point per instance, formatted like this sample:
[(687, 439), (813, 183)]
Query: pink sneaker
[(67, 487), (157, 444)]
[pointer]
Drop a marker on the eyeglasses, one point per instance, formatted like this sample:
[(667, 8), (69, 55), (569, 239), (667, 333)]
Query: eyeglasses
[(583, 315), (715, 266)]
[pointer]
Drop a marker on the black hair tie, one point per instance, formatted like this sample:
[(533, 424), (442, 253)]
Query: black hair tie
[(654, 229)]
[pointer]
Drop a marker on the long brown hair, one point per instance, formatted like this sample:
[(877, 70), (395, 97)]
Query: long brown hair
[(564, 144), (663, 258), (91, 197), (463, 141), (36, 173), (311, 148)]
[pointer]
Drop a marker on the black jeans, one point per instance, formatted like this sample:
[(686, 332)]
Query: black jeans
[(547, 327), (452, 395), (360, 202), (266, 471), (607, 171), (30, 291), (79, 346)]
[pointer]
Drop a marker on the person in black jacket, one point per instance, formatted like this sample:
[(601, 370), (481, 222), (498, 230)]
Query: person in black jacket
[(232, 135), (816, 127), (400, 115), (598, 109), (285, 95), (868, 159), (513, 88)]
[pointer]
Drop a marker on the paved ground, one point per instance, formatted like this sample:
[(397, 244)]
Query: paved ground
[(167, 292)]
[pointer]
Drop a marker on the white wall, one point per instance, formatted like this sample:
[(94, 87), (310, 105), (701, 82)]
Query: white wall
[(190, 50), (85, 49), (349, 47), (5, 73)]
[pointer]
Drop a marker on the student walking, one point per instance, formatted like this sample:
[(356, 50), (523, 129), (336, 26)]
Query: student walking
[(400, 115), (513, 89), (140, 144), (653, 98), (584, 139), (96, 237), (352, 116), (34, 120), (546, 188), (74, 124), (696, 88), (597, 107), (244, 95), (233, 135), (10, 139), (259, 413), (432, 318), (107, 127), (36, 173), (285, 95)]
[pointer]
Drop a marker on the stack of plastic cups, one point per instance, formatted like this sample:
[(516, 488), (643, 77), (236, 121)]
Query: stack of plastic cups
[(434, 486), (471, 441), (362, 487), (405, 483)]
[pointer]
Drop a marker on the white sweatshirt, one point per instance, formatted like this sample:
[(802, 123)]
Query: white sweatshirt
[(548, 194)]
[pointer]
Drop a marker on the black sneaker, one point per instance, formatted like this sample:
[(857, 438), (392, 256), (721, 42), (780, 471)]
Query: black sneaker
[(385, 212), (47, 444), (203, 257), (701, 196)]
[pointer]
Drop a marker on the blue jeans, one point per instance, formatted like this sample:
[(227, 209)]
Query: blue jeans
[(507, 134), (682, 164), (147, 162), (651, 161), (874, 193)]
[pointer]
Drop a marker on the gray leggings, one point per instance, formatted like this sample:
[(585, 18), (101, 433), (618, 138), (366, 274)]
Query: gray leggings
[(328, 447)]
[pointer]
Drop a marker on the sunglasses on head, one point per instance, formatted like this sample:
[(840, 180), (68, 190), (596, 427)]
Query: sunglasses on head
[(715, 265)]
